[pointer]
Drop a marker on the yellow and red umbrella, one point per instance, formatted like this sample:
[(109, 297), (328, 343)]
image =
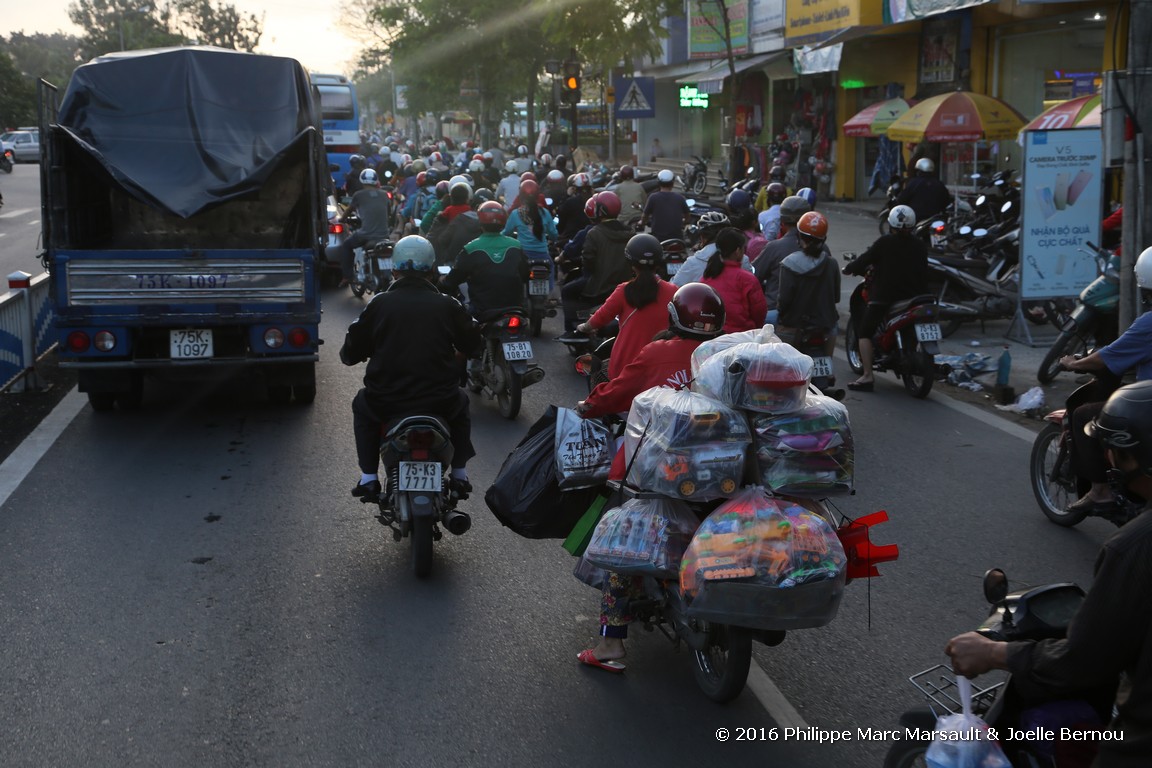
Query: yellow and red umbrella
[(873, 120), (957, 116), (1081, 112)]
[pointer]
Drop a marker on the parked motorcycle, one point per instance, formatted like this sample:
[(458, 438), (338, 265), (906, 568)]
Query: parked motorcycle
[(1033, 614), (696, 176), (416, 454), (906, 343), (1053, 478), (505, 366), (975, 288), (1094, 321)]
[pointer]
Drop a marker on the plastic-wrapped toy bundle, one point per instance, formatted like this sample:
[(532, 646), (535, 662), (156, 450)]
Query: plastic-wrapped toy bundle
[(762, 561), (685, 445), (772, 378), (807, 452), (644, 537), (765, 335)]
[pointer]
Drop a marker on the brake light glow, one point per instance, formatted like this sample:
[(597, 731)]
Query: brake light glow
[(514, 323), (336, 228), (298, 337), (78, 341)]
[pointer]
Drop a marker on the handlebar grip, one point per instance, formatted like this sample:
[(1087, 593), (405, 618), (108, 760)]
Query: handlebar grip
[(1092, 245)]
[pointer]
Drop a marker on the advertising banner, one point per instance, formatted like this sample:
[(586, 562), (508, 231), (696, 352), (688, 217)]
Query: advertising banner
[(813, 21), (1060, 194), (706, 29)]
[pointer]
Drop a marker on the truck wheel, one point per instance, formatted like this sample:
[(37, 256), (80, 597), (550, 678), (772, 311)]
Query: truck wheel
[(102, 402)]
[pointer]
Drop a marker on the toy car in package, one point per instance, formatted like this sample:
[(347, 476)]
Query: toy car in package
[(772, 378), (765, 335), (806, 452), (685, 445), (765, 540), (644, 537)]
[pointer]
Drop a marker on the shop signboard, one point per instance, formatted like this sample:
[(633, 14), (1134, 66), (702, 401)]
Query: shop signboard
[(766, 17), (706, 29), (1060, 195), (813, 21)]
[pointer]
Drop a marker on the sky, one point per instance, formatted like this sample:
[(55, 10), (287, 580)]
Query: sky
[(307, 31)]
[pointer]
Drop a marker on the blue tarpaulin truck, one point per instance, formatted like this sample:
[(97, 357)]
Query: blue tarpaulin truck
[(183, 211)]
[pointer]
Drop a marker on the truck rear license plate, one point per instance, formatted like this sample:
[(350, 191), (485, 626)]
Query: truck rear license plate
[(421, 476), (928, 332), (821, 366), (517, 350), (190, 343), (537, 287)]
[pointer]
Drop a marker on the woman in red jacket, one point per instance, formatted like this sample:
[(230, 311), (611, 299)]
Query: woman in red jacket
[(640, 304), (744, 304), (695, 314)]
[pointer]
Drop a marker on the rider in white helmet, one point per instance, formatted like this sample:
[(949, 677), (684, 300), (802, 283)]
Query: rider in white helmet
[(924, 192), (524, 161), (509, 186), (666, 210), (899, 263), (410, 335)]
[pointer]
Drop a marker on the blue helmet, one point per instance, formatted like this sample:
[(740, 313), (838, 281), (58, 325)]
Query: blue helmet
[(739, 201), (808, 194), (413, 254)]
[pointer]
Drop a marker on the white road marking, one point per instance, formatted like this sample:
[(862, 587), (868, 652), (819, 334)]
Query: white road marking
[(771, 698), (21, 461), (14, 212)]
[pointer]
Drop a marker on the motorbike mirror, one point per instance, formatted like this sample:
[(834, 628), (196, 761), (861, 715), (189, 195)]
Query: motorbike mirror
[(980, 232), (547, 201), (416, 222), (965, 230), (751, 171), (586, 365), (1006, 207), (691, 203), (387, 174), (995, 586), (981, 200), (443, 269), (974, 176), (938, 224)]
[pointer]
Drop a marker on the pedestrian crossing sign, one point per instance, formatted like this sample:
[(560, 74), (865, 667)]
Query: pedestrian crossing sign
[(635, 97)]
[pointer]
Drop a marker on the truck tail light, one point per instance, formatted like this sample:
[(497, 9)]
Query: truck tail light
[(298, 337), (274, 338), (78, 341), (105, 341)]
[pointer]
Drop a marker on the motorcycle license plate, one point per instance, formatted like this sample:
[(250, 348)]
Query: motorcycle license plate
[(938, 241), (384, 265), (928, 332), (190, 343), (673, 267), (517, 350), (537, 287), (821, 366), (420, 476)]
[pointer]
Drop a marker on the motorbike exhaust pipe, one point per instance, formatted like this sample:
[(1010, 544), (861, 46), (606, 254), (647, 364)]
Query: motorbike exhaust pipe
[(457, 523)]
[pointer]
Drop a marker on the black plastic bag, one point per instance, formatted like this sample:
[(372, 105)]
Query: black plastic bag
[(526, 495)]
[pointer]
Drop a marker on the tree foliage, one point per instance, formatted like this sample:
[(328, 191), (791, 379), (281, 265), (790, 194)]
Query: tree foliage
[(17, 94), (114, 25), (51, 57)]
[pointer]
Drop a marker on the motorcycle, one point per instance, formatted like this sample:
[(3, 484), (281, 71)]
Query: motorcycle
[(975, 288), (593, 365), (1033, 614), (7, 160), (696, 176), (813, 342), (1053, 478), (895, 187), (416, 454), (504, 367), (1094, 321), (675, 254), (539, 274), (906, 343), (373, 268)]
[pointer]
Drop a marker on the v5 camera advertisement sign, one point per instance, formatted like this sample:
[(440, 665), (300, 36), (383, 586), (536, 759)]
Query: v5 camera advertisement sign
[(1061, 212)]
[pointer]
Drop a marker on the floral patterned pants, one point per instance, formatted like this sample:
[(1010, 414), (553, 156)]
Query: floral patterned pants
[(615, 615)]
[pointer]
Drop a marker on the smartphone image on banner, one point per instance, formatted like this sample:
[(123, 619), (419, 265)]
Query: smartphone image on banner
[(1061, 262), (1060, 191), (1047, 206), (1078, 185)]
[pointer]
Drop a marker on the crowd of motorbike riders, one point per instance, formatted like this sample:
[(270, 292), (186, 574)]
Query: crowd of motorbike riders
[(756, 259)]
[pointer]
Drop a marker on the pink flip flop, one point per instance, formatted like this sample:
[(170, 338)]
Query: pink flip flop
[(588, 656)]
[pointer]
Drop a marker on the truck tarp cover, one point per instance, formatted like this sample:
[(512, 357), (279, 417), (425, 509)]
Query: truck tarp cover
[(188, 128)]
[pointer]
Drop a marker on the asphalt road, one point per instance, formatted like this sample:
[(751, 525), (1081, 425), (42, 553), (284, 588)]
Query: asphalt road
[(20, 220)]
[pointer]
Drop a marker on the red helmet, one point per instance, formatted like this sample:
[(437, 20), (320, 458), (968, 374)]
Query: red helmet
[(607, 205), (627, 172), (492, 216), (777, 173), (697, 309), (422, 178), (775, 192), (529, 189), (813, 225), (527, 176), (478, 157), (590, 207), (441, 188)]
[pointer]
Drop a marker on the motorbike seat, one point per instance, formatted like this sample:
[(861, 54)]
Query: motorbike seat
[(377, 244), (489, 315), (904, 304), (400, 423), (959, 262)]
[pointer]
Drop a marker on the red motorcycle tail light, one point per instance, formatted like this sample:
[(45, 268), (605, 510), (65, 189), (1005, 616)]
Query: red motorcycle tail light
[(420, 443), (514, 323), (336, 229)]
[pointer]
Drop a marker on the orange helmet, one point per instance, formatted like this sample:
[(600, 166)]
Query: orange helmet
[(813, 225)]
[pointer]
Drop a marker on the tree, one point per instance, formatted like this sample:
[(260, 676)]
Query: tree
[(17, 94), (116, 25), (723, 28), (219, 24), (50, 57)]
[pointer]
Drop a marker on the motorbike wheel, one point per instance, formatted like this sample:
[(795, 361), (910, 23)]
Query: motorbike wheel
[(918, 371), (1053, 483), (1067, 343), (6, 165), (508, 396), (721, 669), (852, 347), (906, 754), (882, 219), (358, 288), (421, 546), (699, 184)]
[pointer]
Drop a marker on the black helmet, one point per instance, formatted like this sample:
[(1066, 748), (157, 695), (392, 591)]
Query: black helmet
[(1125, 423), (357, 162), (792, 208), (644, 250)]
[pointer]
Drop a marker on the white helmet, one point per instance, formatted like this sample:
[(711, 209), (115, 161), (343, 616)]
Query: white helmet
[(413, 254), (369, 177), (1143, 269), (902, 217), (522, 150), (458, 178), (924, 165), (510, 166), (475, 166), (435, 157), (666, 176), (555, 176)]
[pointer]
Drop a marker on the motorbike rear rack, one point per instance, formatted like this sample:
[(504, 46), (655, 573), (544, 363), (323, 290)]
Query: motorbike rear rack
[(938, 684)]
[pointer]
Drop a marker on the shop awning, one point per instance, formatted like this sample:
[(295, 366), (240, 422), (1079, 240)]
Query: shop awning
[(667, 72), (712, 79)]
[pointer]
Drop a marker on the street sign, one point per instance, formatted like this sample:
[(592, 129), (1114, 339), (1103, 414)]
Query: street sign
[(635, 97)]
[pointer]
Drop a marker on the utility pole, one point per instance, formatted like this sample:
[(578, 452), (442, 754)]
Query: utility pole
[(1136, 232)]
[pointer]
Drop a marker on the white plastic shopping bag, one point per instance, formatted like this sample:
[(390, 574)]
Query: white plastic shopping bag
[(963, 740)]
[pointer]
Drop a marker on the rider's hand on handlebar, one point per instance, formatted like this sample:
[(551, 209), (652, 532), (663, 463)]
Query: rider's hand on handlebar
[(973, 654)]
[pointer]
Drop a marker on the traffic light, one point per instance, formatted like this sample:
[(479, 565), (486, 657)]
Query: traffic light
[(570, 83)]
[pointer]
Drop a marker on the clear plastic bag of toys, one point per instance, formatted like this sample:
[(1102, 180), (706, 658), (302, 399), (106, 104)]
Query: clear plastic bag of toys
[(765, 335), (806, 452), (771, 378), (685, 445), (758, 539), (643, 537)]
